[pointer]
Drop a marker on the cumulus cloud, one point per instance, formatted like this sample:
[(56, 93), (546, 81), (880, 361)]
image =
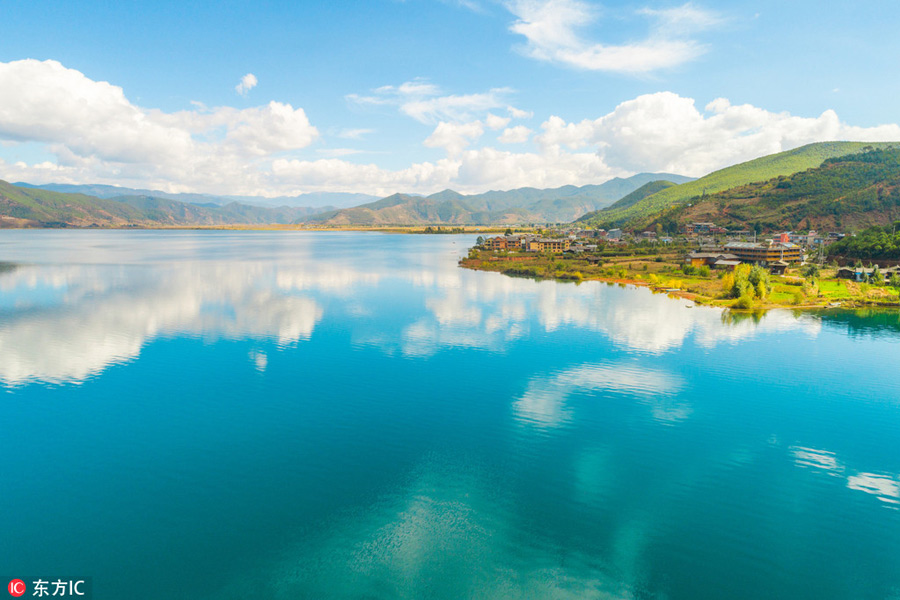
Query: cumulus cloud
[(515, 135), (454, 137), (551, 28), (248, 82), (426, 102), (98, 135), (667, 132), (494, 122)]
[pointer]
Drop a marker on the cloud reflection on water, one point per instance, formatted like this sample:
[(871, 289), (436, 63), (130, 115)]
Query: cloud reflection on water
[(64, 323), (104, 316)]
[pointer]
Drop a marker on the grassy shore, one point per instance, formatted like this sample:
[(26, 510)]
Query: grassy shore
[(664, 273)]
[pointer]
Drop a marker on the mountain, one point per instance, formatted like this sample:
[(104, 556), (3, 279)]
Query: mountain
[(33, 207), (494, 207), (316, 200), (760, 169), (847, 192), (639, 194)]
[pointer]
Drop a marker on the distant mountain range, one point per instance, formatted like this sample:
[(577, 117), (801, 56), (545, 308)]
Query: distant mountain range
[(33, 207), (320, 200), (636, 214), (58, 205), (523, 205)]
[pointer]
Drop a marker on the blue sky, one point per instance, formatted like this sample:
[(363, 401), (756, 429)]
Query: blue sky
[(420, 95)]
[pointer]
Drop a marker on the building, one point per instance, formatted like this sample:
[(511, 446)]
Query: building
[(778, 267), (712, 259), (764, 253), (496, 243), (703, 229), (554, 244), (614, 234)]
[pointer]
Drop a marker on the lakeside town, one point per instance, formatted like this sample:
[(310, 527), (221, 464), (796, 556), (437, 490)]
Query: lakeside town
[(706, 263)]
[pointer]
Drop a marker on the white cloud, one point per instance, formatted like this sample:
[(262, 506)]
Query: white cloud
[(248, 82), (516, 113), (551, 29), (337, 152), (665, 131), (515, 135), (355, 134), (99, 136), (454, 137), (426, 103), (494, 122), (96, 135)]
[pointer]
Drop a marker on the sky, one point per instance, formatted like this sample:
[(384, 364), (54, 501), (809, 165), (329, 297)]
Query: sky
[(381, 96)]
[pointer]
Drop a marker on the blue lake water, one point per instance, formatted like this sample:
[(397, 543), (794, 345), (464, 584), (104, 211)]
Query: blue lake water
[(350, 415)]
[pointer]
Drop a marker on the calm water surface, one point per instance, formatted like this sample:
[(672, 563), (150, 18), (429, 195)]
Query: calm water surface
[(207, 415)]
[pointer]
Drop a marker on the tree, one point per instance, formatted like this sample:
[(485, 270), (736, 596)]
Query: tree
[(479, 241), (508, 231)]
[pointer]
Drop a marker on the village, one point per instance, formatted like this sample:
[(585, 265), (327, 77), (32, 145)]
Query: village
[(698, 263), (707, 245)]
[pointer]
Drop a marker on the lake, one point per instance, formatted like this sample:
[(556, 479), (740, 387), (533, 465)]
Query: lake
[(281, 415)]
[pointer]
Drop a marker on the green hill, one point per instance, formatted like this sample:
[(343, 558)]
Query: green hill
[(760, 169), (523, 205), (847, 192), (33, 207), (639, 194), (22, 206)]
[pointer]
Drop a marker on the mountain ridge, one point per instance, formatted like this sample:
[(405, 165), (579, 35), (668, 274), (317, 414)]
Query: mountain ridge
[(760, 169)]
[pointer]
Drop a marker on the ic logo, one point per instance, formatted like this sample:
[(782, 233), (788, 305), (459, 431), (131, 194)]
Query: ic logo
[(16, 588)]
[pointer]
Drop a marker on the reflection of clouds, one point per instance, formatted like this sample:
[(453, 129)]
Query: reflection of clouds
[(885, 488), (340, 280), (106, 315), (816, 459), (544, 400), (489, 304), (452, 309), (260, 360)]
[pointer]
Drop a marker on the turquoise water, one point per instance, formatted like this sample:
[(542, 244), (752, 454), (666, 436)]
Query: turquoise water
[(350, 415)]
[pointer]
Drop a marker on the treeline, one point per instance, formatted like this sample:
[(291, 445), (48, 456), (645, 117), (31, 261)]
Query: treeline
[(873, 243)]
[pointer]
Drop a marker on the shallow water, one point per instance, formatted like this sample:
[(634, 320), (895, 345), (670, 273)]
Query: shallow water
[(350, 415)]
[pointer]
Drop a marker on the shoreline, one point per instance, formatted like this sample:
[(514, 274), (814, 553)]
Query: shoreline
[(698, 299)]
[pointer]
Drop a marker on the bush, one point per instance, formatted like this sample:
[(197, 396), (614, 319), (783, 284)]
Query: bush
[(810, 270), (744, 302), (747, 280), (703, 271)]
